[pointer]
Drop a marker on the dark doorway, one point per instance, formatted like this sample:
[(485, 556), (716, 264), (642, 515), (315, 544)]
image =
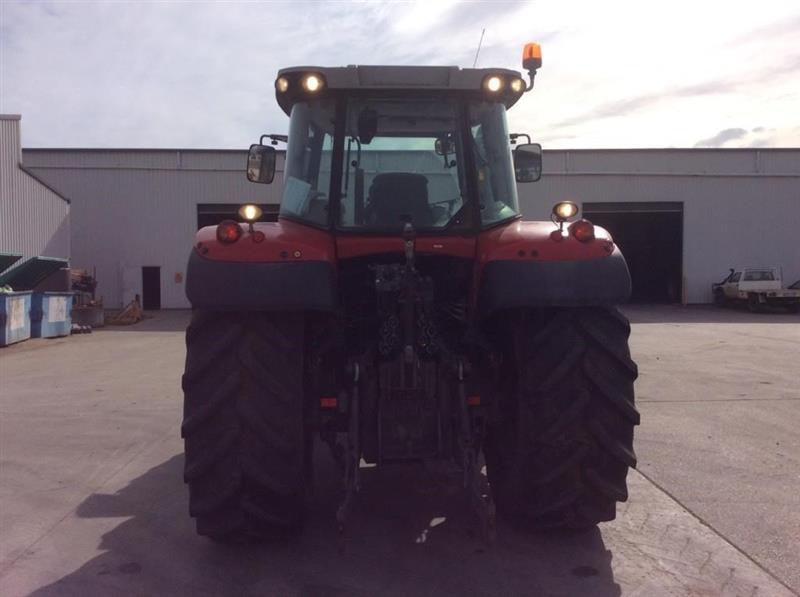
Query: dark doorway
[(650, 235), (211, 214), (151, 288)]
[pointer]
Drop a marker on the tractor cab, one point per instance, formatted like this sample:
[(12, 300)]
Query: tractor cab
[(373, 149)]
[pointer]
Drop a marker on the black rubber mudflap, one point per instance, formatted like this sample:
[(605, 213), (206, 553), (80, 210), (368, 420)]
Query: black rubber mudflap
[(243, 424), (559, 453)]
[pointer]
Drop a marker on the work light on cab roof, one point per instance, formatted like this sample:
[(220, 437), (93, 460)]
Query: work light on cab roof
[(295, 83)]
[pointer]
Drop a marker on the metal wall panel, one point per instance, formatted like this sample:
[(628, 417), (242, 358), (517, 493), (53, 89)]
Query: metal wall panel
[(126, 219), (678, 162), (93, 158), (139, 159), (34, 220), (727, 221), (741, 207), (662, 162), (779, 162)]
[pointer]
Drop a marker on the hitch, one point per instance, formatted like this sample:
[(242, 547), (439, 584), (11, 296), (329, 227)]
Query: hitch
[(352, 455), (409, 293)]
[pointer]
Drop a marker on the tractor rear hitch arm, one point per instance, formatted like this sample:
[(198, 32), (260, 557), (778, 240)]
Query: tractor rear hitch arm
[(352, 457), (481, 505)]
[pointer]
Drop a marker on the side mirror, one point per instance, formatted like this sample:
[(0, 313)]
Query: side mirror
[(261, 164), (445, 146), (528, 162)]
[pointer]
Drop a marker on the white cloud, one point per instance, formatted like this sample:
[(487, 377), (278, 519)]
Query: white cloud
[(616, 73)]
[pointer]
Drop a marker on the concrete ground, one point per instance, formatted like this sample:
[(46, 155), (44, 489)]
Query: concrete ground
[(92, 500), (719, 397)]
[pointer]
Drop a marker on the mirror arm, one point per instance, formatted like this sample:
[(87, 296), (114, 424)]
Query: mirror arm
[(274, 138), (445, 159)]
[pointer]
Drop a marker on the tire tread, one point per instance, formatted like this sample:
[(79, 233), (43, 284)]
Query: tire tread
[(243, 424), (560, 452)]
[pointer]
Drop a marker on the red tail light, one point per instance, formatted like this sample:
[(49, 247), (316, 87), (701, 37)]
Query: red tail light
[(228, 232), (583, 230), (328, 402)]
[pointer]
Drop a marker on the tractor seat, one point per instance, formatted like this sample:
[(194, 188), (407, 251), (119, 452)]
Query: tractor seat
[(396, 197)]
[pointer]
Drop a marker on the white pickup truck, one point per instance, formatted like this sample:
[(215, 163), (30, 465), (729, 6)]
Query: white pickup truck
[(756, 287)]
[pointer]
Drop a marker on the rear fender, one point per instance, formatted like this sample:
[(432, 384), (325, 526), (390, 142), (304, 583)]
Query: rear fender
[(525, 264), (290, 267)]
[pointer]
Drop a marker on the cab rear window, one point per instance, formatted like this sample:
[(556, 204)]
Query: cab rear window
[(758, 275)]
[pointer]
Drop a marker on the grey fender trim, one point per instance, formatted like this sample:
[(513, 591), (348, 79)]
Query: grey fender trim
[(231, 286), (514, 284)]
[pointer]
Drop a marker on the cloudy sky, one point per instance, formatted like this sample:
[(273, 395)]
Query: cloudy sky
[(616, 73)]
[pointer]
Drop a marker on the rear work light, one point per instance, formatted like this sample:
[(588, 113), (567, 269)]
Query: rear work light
[(250, 212), (564, 210), (313, 82), (493, 83), (583, 230), (228, 232)]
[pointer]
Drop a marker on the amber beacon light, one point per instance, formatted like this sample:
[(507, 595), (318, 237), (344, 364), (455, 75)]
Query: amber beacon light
[(532, 56), (532, 60)]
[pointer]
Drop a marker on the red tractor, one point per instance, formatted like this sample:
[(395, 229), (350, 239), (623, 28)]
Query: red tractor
[(401, 310)]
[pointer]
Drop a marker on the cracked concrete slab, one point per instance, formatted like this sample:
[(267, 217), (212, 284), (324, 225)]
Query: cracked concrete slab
[(720, 411)]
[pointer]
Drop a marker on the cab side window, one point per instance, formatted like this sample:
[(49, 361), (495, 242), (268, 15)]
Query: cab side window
[(308, 163)]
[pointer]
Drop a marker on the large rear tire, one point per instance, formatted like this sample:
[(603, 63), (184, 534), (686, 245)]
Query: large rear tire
[(559, 453), (243, 424)]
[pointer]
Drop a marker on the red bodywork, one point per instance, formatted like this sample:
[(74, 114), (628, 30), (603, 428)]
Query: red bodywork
[(289, 241), (283, 241)]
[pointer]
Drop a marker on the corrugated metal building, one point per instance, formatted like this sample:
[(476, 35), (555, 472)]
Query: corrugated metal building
[(136, 210), (682, 216), (34, 218), (696, 212)]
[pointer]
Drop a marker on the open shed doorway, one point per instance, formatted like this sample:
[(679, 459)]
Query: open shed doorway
[(650, 235), (151, 288)]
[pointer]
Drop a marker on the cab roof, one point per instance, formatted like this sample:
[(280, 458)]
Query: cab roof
[(393, 78)]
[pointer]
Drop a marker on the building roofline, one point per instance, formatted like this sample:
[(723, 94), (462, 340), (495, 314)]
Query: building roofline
[(43, 183), (280, 150), (10, 116), (674, 149), (135, 149)]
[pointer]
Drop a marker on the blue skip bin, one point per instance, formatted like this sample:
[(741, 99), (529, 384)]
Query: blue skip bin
[(51, 314), (15, 320)]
